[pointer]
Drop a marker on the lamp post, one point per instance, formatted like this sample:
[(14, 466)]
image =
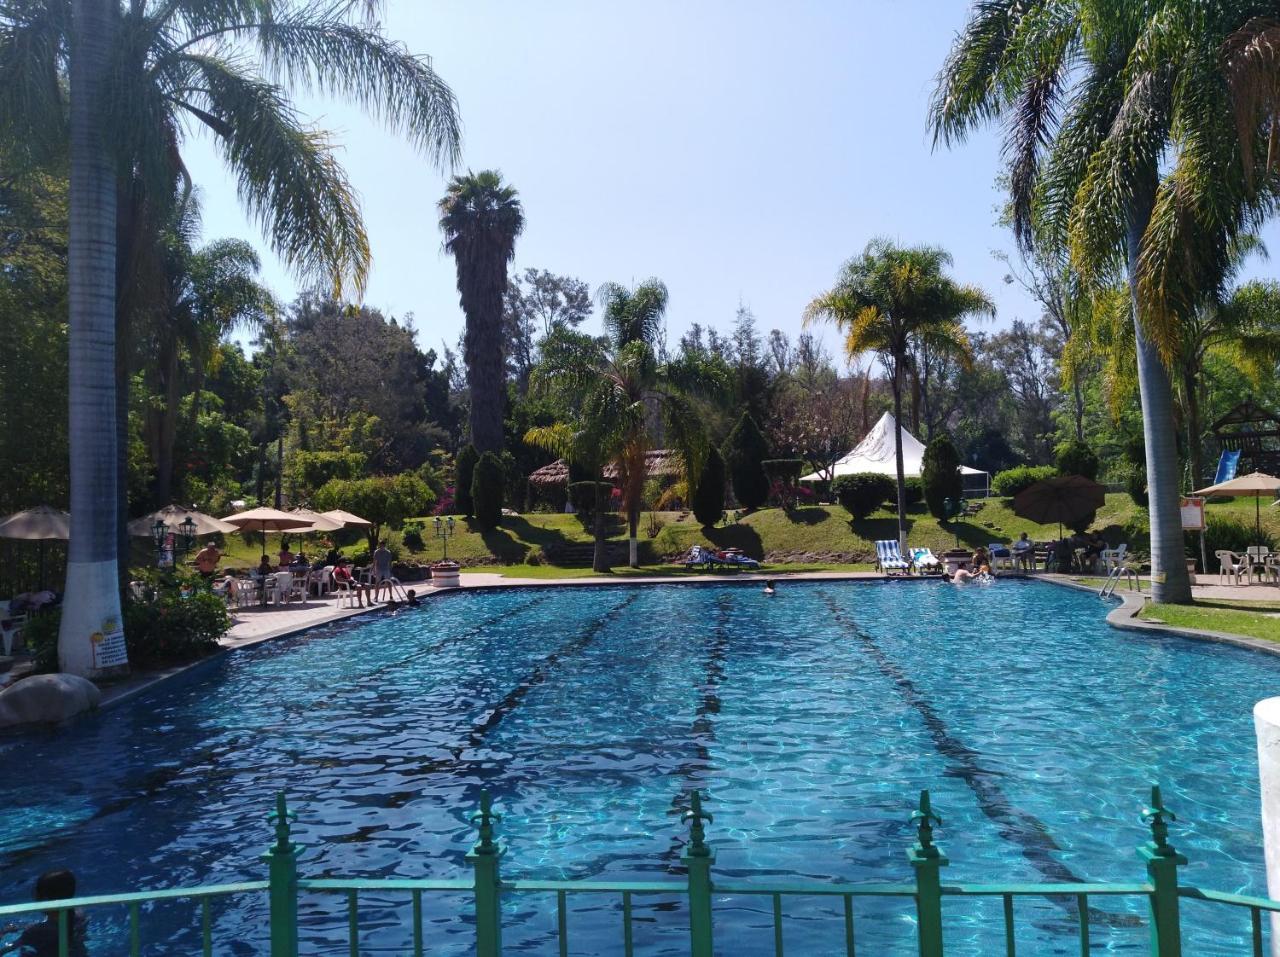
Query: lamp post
[(159, 533), (187, 529), (444, 531)]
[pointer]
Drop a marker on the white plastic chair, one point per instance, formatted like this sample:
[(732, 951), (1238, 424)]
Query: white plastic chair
[(277, 587), (10, 627), (1230, 565), (348, 593), (1257, 556), (1112, 558)]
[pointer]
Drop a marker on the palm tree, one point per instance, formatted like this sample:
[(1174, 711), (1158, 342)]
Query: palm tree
[(621, 396), (1098, 99), (893, 301), (150, 73), (481, 217)]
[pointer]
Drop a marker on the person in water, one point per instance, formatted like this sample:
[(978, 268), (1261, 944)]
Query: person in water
[(411, 599), (41, 940), (768, 586)]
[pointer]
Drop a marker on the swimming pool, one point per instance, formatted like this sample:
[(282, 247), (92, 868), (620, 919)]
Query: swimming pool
[(811, 719)]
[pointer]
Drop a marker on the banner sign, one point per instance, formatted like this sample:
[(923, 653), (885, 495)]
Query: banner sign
[(1192, 508)]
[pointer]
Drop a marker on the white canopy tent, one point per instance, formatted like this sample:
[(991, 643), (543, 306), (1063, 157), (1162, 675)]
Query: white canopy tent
[(875, 453)]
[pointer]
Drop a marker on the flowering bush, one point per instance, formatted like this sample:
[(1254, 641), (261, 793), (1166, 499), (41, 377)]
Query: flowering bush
[(445, 504)]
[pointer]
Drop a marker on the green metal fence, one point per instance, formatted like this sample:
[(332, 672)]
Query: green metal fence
[(926, 892)]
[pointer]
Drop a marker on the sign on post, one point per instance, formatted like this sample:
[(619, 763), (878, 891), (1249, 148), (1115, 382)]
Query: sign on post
[(1192, 508)]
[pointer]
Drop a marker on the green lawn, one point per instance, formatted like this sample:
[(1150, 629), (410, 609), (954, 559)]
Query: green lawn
[(1217, 616)]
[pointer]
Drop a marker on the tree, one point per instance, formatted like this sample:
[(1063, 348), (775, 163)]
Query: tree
[(385, 501), (708, 493), (537, 303), (465, 470), (822, 426), (616, 391), (862, 493), (1130, 146), (486, 491), (142, 72), (1076, 458), (940, 474), (481, 217), (889, 300), (745, 450)]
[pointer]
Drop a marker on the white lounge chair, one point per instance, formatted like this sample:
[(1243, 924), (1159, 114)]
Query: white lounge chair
[(889, 559), (1112, 558), (925, 560)]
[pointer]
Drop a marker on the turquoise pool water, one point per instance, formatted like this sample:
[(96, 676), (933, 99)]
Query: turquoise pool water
[(811, 719)]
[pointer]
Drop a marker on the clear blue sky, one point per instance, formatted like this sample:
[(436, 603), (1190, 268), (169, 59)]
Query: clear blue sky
[(739, 151)]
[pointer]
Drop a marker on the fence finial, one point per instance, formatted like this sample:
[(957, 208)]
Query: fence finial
[(697, 834), (282, 817), (1158, 817), (484, 819), (924, 819)]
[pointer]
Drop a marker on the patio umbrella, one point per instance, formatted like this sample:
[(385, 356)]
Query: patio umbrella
[(346, 519), (1063, 498), (1256, 484), (40, 524), (267, 520), (319, 523), (175, 515)]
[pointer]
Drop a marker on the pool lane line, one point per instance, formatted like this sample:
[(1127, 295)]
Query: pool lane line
[(1017, 826), (541, 671)]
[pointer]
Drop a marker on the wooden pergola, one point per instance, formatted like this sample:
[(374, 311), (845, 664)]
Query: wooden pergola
[(1254, 432)]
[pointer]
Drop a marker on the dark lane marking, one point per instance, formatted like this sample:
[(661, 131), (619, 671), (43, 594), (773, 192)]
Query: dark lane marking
[(1019, 827), (540, 672)]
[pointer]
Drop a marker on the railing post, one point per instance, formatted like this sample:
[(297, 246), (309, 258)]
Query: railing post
[(485, 857), (928, 860), (282, 861), (1162, 870), (698, 858)]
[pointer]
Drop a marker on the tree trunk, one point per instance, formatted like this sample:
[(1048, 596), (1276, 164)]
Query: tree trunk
[(1077, 408), (896, 379), (600, 556), (633, 537), (1190, 385), (1169, 580), (91, 612), (486, 371)]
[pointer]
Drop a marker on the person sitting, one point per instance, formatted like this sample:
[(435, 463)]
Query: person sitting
[(41, 939), (207, 561), (1024, 551), (343, 578), (265, 567), (300, 560)]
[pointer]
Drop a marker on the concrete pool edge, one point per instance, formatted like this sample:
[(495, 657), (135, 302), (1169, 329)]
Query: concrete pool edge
[(1125, 618)]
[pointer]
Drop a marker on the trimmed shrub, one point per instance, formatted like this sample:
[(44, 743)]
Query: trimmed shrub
[(1227, 533), (465, 466), (744, 452), (1076, 458), (413, 536), (863, 493), (1012, 481), (912, 491), (940, 475), (487, 483), (708, 495)]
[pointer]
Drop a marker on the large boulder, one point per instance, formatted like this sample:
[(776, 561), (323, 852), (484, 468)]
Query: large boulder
[(47, 699)]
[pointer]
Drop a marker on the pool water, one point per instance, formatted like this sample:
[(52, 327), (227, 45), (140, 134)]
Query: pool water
[(811, 719)]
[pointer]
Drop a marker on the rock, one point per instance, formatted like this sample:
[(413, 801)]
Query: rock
[(46, 699)]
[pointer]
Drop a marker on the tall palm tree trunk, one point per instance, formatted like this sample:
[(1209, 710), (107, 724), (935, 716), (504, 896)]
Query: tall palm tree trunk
[(896, 379), (600, 554), (1195, 450), (91, 612), (1169, 580)]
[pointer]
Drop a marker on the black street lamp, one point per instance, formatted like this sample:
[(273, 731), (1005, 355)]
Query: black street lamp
[(444, 531), (187, 529), (159, 533)]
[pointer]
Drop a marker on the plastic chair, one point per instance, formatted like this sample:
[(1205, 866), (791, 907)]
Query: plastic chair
[(10, 627), (1112, 558), (1257, 556), (1230, 564)]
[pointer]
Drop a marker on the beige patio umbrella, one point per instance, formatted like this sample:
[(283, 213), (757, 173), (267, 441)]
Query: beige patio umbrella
[(319, 523), (40, 524), (174, 516), (346, 519), (1256, 484), (267, 520)]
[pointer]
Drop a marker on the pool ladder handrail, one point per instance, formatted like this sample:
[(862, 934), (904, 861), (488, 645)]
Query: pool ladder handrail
[(1113, 580)]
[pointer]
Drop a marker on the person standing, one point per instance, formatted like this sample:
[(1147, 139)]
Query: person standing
[(381, 570)]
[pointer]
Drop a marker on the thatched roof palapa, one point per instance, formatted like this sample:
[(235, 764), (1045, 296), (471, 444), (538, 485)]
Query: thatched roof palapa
[(658, 462)]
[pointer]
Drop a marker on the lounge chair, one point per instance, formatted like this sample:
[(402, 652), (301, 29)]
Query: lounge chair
[(925, 561), (889, 558), (1001, 555)]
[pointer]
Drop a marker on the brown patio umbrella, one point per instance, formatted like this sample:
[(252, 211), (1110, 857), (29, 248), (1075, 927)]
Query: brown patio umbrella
[(40, 524), (319, 523), (267, 520), (1256, 484), (346, 519), (1063, 498), (174, 516)]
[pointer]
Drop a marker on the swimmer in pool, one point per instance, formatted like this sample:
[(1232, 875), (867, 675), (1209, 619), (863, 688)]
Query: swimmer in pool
[(768, 587)]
